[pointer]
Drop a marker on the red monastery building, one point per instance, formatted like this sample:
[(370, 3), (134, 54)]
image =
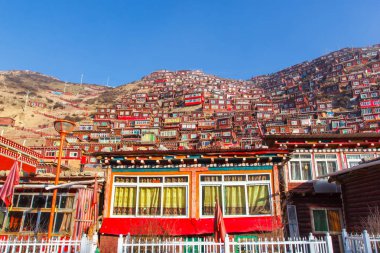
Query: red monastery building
[(173, 193)]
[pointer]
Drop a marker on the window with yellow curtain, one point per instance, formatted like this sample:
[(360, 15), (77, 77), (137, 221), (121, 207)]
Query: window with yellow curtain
[(238, 194), (234, 200), (149, 201), (258, 199), (174, 202), (150, 195), (125, 201), (209, 196)]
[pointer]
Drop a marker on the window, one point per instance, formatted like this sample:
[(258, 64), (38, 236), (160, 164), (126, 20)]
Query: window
[(73, 154), (31, 213), (326, 220), (150, 196), (239, 195), (326, 163), (300, 167), (355, 159), (50, 153)]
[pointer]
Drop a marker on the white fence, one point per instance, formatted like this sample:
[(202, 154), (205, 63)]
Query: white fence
[(360, 243), (205, 245), (55, 245)]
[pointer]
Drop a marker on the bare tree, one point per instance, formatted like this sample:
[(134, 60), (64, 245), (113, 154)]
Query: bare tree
[(372, 222)]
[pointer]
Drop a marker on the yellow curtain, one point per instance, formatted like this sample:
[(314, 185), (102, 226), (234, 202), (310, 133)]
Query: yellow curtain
[(334, 221), (125, 200), (150, 201), (174, 201), (258, 199), (209, 196), (234, 200)]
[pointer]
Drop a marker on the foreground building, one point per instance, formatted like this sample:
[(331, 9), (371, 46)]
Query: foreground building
[(30, 212), (77, 205), (360, 211), (313, 204), (173, 193)]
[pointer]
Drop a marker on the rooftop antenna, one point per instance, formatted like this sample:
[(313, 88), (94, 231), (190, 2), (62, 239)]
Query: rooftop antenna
[(108, 79)]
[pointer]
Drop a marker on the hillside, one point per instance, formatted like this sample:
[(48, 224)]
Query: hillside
[(335, 93), (33, 100)]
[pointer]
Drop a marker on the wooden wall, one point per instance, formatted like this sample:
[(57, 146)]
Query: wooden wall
[(361, 192)]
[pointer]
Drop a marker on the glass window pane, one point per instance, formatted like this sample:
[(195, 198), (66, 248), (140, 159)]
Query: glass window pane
[(30, 222), (334, 221), (258, 199), (66, 202), (15, 199), (149, 201), (125, 201), (211, 178), (295, 170), (39, 201), (150, 180), (174, 201), (2, 217), (48, 201), (25, 200), (234, 200), (62, 223), (321, 168), (175, 179), (14, 222), (320, 221), (352, 164), (209, 196), (306, 170), (43, 222), (234, 178), (332, 166)]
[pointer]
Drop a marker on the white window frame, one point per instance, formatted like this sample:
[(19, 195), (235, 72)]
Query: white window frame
[(358, 160), (245, 183), (299, 160), (152, 185), (336, 160)]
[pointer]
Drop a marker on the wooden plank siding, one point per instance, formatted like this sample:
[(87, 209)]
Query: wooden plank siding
[(305, 202), (360, 192)]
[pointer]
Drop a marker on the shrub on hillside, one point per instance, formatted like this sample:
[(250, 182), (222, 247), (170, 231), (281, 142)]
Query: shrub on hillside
[(58, 105)]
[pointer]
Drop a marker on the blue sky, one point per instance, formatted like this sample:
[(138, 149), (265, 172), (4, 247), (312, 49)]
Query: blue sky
[(125, 40)]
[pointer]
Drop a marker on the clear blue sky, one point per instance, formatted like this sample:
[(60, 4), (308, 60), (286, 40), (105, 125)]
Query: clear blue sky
[(124, 40)]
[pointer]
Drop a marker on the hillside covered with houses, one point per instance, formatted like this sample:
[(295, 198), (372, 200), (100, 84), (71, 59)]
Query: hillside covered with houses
[(337, 93)]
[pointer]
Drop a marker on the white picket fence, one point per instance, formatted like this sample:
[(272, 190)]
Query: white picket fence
[(207, 245), (360, 243), (55, 245)]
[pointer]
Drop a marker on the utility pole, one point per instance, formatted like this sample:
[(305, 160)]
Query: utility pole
[(81, 81), (64, 89), (26, 99)]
